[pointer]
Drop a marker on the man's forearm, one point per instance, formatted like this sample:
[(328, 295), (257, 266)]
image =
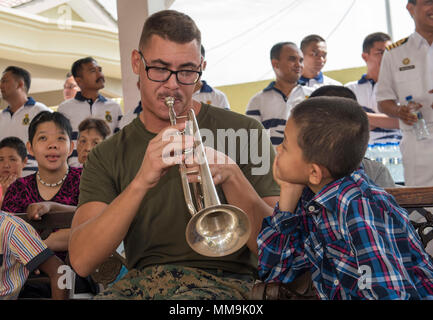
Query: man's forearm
[(97, 233), (240, 193), (389, 107)]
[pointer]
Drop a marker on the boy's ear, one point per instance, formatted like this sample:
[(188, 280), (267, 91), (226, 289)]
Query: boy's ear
[(318, 174), (25, 161), (29, 149)]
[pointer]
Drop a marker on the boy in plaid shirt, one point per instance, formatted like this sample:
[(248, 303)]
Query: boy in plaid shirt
[(332, 220)]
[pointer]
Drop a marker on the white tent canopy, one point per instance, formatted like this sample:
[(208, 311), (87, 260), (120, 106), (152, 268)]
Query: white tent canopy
[(238, 35)]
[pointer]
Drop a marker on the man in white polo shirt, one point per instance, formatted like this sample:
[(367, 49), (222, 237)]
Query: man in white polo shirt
[(88, 102), (15, 119), (205, 93), (272, 105), (384, 129), (315, 54)]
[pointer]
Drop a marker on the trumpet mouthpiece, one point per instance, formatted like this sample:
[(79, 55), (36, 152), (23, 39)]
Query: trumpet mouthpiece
[(169, 102)]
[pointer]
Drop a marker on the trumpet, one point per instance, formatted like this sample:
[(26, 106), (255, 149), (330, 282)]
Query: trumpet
[(215, 229)]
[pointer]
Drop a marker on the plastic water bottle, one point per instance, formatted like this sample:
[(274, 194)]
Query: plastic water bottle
[(419, 127)]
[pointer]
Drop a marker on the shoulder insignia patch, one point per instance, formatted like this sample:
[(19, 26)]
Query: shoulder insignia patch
[(397, 44)]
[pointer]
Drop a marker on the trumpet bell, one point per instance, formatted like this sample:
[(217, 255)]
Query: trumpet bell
[(218, 230)]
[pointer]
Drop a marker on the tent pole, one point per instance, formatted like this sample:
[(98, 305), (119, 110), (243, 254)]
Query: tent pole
[(388, 19)]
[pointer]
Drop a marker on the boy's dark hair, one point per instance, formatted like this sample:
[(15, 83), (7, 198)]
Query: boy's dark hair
[(276, 49), (203, 51), (77, 66), (372, 38), (411, 1), (97, 124), (15, 143), (21, 74), (333, 91), (170, 25), (309, 39), (46, 116), (333, 132)]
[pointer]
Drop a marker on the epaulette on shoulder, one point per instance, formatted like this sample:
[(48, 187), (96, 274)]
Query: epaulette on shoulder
[(397, 44)]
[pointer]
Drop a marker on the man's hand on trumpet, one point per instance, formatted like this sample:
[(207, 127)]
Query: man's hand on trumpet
[(220, 165), (164, 151)]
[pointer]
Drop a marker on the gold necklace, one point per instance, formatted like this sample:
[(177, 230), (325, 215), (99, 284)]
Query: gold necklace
[(52, 185)]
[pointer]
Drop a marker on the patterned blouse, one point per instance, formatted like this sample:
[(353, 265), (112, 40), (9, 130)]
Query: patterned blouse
[(24, 191)]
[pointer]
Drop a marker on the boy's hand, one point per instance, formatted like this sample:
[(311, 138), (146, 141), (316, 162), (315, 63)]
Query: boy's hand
[(290, 193)]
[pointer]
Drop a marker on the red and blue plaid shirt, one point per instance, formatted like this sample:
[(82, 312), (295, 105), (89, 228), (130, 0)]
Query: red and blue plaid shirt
[(354, 238)]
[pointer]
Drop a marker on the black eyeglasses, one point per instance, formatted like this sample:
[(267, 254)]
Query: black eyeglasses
[(159, 74)]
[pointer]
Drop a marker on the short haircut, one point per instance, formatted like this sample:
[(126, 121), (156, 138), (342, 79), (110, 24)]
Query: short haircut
[(276, 49), (15, 143), (93, 123), (46, 116), (333, 132), (77, 66), (333, 91), (411, 1), (203, 51), (21, 74), (170, 25), (310, 39), (372, 38), (68, 75)]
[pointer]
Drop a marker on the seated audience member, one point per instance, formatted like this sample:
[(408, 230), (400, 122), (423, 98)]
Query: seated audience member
[(376, 171), (22, 251), (13, 158), (331, 221), (91, 131), (55, 186), (315, 53), (70, 87)]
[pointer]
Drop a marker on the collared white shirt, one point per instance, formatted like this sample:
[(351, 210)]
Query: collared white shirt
[(130, 115), (80, 108), (319, 81), (272, 108), (404, 72), (17, 125), (211, 96), (365, 91)]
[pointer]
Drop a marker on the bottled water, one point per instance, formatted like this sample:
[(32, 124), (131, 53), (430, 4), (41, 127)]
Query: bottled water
[(419, 127), (389, 155)]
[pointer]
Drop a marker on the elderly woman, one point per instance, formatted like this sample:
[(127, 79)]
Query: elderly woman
[(91, 131)]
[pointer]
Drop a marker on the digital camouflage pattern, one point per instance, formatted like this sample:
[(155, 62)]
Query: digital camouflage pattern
[(173, 282)]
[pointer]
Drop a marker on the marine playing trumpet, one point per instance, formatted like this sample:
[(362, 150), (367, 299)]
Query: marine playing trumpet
[(215, 229)]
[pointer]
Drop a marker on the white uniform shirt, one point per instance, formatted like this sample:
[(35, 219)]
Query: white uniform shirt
[(129, 116), (319, 81), (17, 125), (80, 108), (272, 108), (404, 72), (365, 91), (211, 96)]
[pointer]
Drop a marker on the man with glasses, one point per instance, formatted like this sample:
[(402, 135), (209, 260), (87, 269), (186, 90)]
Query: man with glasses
[(315, 53), (131, 189)]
